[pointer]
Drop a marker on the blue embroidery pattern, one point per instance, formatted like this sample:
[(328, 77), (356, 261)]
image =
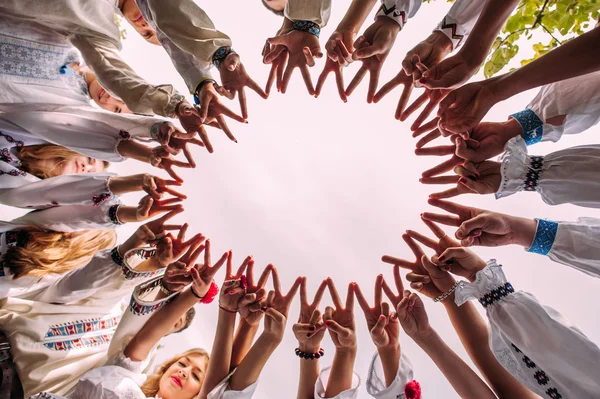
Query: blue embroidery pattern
[(79, 343), (496, 295), (308, 27), (534, 173), (83, 326), (533, 127), (29, 62), (220, 55), (544, 237)]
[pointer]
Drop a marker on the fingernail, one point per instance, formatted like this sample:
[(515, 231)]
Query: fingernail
[(382, 317), (328, 323), (231, 292), (462, 180), (446, 269), (441, 258), (450, 262), (422, 81), (312, 328)]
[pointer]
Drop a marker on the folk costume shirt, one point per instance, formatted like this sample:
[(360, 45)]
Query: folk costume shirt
[(569, 106), (535, 343), (460, 20), (565, 176), (321, 386), (90, 27), (58, 335)]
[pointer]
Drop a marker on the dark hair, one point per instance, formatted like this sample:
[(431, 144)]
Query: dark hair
[(190, 314), (274, 11)]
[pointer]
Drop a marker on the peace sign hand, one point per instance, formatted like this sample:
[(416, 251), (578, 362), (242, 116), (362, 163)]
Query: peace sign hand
[(234, 79), (339, 55), (412, 316), (170, 249), (310, 330), (148, 207), (340, 320), (470, 178), (162, 159), (278, 306), (400, 79), (203, 275), (383, 326), (234, 286), (249, 306), (156, 187), (177, 276)]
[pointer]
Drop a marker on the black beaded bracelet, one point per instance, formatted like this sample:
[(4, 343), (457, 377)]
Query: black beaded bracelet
[(310, 356)]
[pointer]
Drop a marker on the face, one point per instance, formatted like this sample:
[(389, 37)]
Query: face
[(179, 325), (132, 14), (277, 5), (81, 164), (104, 99), (184, 378)]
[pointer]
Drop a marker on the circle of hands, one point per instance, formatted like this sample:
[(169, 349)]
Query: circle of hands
[(471, 143)]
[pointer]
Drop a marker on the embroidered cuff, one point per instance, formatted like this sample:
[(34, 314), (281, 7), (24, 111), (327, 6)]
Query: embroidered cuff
[(139, 307), (488, 279), (496, 294), (533, 174), (116, 256), (533, 127), (545, 235), (391, 11), (452, 30), (155, 131), (307, 26), (129, 273), (199, 87), (220, 55), (112, 215)]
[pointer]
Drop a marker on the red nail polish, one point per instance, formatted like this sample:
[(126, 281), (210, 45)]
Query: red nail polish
[(463, 180), (382, 317), (441, 258), (328, 323)]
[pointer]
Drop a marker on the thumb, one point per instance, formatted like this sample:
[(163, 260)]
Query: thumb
[(463, 151), (379, 327), (277, 40), (432, 269), (334, 327), (232, 61), (369, 51), (145, 205), (467, 227)]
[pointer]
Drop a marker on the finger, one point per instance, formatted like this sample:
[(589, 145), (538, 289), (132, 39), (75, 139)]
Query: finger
[(385, 309), (335, 296), (293, 290), (443, 219), (388, 291), (414, 247), (362, 301), (466, 229), (182, 232), (418, 278), (264, 276), (350, 298), (273, 54), (270, 79), (385, 89), (321, 81), (314, 318), (280, 67), (168, 216), (373, 82), (227, 112), (145, 205), (174, 193), (303, 293), (328, 314), (437, 230), (464, 152), (276, 281), (225, 128), (451, 207), (403, 100), (287, 75), (423, 115), (428, 242), (422, 99), (230, 95), (257, 89), (307, 80), (243, 106), (379, 327), (339, 81), (308, 56), (450, 193), (356, 80), (439, 180), (439, 150), (319, 294), (172, 173), (397, 261), (428, 127), (206, 141), (443, 167), (378, 291), (343, 52)]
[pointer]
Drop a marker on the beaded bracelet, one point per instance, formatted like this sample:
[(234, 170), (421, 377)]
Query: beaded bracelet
[(308, 355), (447, 293), (308, 27), (163, 288), (220, 55)]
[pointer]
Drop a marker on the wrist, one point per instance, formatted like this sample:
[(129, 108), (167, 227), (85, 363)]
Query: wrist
[(271, 340), (346, 351), (499, 86), (423, 338), (524, 231), (126, 214), (442, 41), (389, 350), (310, 348)]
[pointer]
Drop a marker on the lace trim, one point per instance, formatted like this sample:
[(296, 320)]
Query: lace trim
[(534, 173), (545, 235), (496, 295), (533, 126), (116, 256), (100, 198), (308, 27), (79, 343)]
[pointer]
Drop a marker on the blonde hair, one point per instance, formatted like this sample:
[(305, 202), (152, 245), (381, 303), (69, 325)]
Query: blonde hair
[(152, 383), (30, 156), (43, 252)]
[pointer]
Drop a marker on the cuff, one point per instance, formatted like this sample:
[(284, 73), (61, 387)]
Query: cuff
[(307, 26), (321, 384), (140, 307), (112, 215), (390, 9), (490, 286), (128, 263), (545, 235), (220, 55), (533, 127), (519, 171), (453, 31), (224, 391), (399, 388)]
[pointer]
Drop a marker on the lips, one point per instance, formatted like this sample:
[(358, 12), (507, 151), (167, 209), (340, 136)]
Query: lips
[(139, 18), (100, 93), (177, 380)]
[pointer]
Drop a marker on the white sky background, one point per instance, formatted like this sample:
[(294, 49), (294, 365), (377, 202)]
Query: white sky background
[(321, 188)]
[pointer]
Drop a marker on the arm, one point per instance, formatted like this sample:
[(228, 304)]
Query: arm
[(356, 15), (118, 78), (462, 16), (566, 176), (464, 380), (527, 337), (250, 368), (244, 336), (159, 325), (309, 373), (342, 372)]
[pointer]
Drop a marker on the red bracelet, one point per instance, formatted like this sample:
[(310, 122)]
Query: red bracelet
[(227, 310)]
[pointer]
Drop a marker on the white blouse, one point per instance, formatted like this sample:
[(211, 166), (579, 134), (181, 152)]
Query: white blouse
[(321, 386), (460, 20), (535, 343), (317, 11), (376, 386), (578, 99), (565, 176), (91, 28)]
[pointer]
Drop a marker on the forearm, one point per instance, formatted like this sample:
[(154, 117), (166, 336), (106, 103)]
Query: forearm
[(390, 360), (575, 58), (158, 326), (120, 185), (220, 356), (250, 368), (309, 373), (356, 15), (473, 333), (464, 381), (134, 150), (492, 19), (342, 371), (242, 342)]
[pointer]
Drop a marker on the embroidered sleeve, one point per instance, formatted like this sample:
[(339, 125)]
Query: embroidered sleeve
[(576, 245), (317, 11), (544, 237), (490, 286), (128, 264), (398, 10), (533, 126), (459, 21)]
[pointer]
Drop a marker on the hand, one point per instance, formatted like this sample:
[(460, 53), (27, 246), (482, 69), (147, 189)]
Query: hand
[(372, 48), (162, 160), (190, 120), (203, 275), (339, 55), (430, 51), (491, 138), (449, 73), (441, 150), (481, 227), (310, 330), (167, 132), (340, 320), (233, 80), (169, 249), (278, 64), (459, 261), (177, 276), (148, 207), (278, 306), (412, 315), (249, 307), (156, 187), (434, 97), (470, 178), (234, 286), (302, 48), (400, 79), (464, 107), (182, 144), (155, 230), (383, 326)]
